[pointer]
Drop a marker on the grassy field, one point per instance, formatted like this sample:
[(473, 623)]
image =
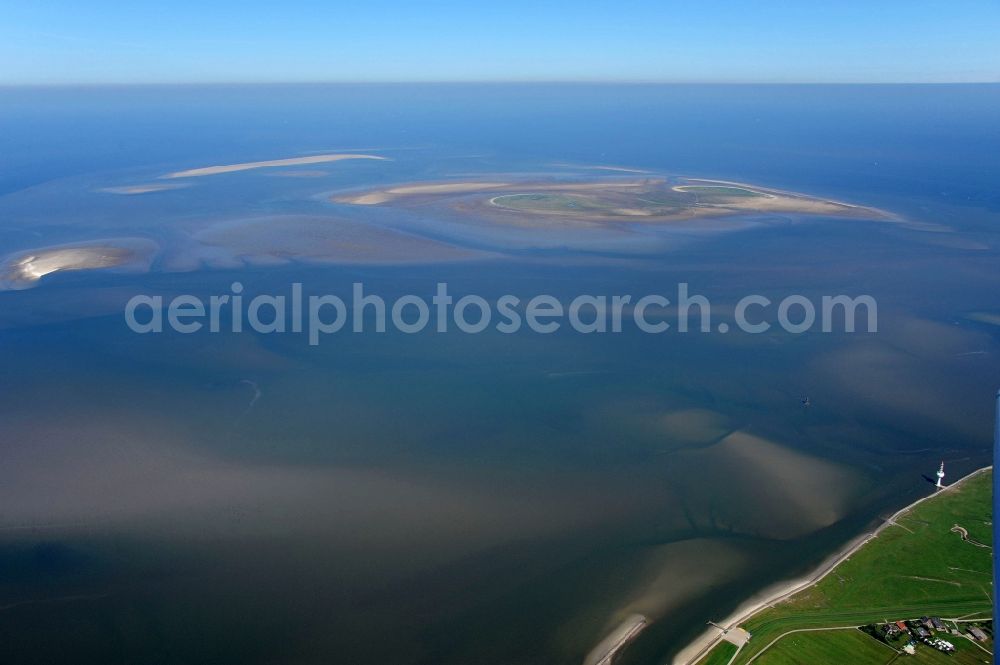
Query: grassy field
[(605, 203), (966, 653), (720, 655), (919, 567), (827, 646), (854, 646)]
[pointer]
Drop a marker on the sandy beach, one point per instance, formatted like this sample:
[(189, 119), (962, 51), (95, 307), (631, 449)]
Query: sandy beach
[(378, 196), (247, 166), (26, 268), (132, 190), (777, 199)]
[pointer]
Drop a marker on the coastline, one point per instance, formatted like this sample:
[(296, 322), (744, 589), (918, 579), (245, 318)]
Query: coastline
[(776, 593)]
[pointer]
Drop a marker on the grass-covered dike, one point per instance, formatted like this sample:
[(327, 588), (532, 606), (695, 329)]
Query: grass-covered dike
[(922, 565)]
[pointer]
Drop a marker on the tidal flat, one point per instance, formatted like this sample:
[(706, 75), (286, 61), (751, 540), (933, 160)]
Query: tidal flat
[(453, 498)]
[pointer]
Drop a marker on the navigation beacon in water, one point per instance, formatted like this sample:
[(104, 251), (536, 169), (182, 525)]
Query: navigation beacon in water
[(940, 475)]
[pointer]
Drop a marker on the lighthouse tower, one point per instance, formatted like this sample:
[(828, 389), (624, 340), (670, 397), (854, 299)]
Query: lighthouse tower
[(940, 476)]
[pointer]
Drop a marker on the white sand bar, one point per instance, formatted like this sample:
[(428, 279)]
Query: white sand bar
[(246, 166)]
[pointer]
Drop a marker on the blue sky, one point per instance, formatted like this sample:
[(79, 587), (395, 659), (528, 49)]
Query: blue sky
[(97, 41)]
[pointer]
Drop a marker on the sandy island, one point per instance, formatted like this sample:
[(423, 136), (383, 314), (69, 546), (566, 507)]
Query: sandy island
[(246, 166), (131, 190), (24, 269), (378, 196), (602, 201)]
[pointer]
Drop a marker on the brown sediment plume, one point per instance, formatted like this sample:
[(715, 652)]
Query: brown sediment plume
[(773, 490), (280, 239)]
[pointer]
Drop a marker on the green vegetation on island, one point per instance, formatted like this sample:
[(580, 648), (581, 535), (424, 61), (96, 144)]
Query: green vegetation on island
[(650, 200), (591, 202), (550, 202)]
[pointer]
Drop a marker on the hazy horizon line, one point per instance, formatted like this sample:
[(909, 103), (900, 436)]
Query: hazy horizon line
[(513, 81)]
